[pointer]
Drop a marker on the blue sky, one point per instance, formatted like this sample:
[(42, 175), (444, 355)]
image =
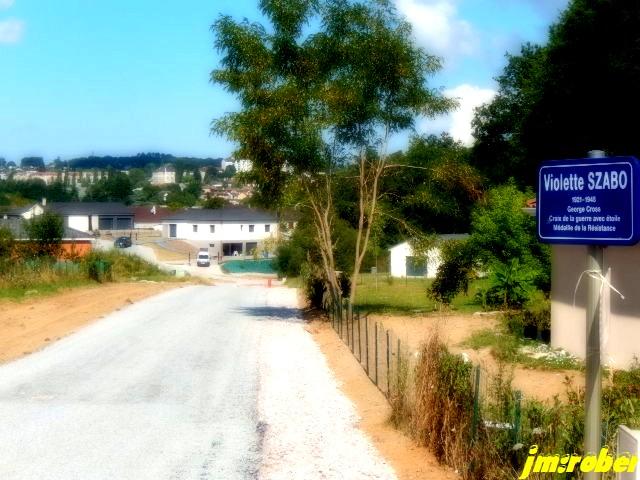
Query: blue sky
[(127, 76)]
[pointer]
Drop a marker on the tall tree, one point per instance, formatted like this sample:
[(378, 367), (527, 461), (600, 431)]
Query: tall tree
[(327, 84), (572, 95), (32, 162), (498, 126)]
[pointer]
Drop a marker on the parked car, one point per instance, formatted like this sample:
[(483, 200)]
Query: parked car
[(203, 259), (122, 242)]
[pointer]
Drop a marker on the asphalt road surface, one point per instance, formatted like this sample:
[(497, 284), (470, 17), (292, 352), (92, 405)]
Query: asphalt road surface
[(196, 383)]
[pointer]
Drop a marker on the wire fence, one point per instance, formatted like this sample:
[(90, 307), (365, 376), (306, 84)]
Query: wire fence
[(389, 363)]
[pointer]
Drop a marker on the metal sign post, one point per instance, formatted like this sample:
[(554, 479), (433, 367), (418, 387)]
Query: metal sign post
[(590, 202), (593, 370)]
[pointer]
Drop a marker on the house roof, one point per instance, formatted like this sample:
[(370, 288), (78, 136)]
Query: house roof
[(145, 215), (16, 211), (90, 208), (225, 214), (441, 237), (16, 225)]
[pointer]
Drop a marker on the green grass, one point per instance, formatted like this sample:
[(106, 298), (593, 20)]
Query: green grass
[(400, 295), (509, 348), (41, 277), (248, 266), (38, 289)]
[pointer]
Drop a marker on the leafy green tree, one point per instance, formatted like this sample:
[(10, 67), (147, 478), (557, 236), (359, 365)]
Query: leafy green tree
[(454, 273), (326, 83), (178, 198), (435, 188), (138, 177), (58, 191), (193, 188), (214, 203), (567, 97), (229, 171), (501, 232), (499, 152), (115, 187), (32, 162), (46, 232)]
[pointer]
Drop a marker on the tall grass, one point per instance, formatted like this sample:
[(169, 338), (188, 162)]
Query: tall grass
[(434, 401), (38, 276)]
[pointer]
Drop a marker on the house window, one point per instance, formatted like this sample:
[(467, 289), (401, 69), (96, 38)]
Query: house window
[(212, 229), (195, 228), (252, 228), (267, 228)]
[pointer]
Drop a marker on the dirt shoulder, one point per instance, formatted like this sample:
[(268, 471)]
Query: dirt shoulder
[(30, 325), (408, 460)]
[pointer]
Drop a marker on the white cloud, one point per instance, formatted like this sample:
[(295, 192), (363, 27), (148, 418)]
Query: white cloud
[(6, 4), (458, 122), (469, 97), (11, 30), (437, 26)]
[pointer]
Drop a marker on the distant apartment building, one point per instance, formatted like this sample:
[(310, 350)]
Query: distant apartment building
[(46, 177), (164, 176), (241, 166)]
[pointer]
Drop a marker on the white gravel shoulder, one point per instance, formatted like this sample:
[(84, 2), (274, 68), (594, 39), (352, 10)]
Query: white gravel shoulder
[(310, 427)]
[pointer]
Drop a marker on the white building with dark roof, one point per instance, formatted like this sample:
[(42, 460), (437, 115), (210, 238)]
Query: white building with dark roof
[(225, 231), (403, 262), (91, 216)]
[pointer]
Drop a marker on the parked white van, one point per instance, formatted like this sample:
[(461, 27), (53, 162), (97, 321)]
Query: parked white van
[(203, 259)]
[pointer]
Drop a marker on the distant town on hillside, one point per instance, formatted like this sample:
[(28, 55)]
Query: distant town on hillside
[(146, 178)]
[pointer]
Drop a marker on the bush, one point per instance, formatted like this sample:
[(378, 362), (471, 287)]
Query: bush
[(511, 284), (501, 232), (344, 282), (454, 272), (314, 286), (537, 316), (46, 232), (122, 265), (6, 242)]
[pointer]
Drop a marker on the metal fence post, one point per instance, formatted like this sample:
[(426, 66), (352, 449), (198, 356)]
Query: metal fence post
[(376, 353), (517, 417), (353, 341), (398, 365), (347, 320), (359, 338), (476, 405), (388, 365), (366, 342)]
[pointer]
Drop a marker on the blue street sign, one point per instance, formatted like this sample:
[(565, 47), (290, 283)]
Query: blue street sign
[(591, 201)]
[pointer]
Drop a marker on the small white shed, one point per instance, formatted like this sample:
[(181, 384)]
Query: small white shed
[(404, 263)]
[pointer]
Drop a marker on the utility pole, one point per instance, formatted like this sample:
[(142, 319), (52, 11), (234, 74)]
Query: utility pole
[(593, 390)]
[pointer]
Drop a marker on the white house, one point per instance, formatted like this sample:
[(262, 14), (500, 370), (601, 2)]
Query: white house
[(90, 216), (404, 263), (26, 213), (225, 231), (164, 175)]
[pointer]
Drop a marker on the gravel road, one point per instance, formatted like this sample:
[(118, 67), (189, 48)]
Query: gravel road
[(196, 383)]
